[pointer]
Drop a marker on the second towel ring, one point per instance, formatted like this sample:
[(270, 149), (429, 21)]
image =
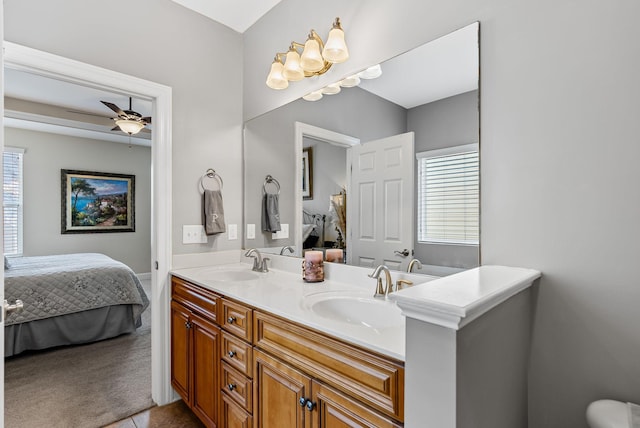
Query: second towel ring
[(211, 173), (270, 180)]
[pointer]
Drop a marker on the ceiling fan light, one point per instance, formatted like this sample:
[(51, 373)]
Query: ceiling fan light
[(292, 70), (372, 72), (335, 50), (331, 89), (129, 126), (313, 96), (275, 79), (350, 81), (311, 59)]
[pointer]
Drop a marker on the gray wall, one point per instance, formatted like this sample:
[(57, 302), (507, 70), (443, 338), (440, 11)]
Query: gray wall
[(559, 149), (269, 145), (445, 123), (168, 44), (46, 154)]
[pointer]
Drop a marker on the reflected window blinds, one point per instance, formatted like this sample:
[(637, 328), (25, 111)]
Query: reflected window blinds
[(449, 195)]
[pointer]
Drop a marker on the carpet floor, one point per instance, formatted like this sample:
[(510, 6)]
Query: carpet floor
[(81, 386)]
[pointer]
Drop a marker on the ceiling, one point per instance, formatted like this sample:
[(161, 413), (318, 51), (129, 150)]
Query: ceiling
[(235, 14)]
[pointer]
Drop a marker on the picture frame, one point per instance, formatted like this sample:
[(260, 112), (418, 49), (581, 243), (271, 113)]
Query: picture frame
[(97, 202), (307, 173)]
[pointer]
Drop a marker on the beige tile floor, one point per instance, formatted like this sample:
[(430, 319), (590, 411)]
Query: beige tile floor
[(174, 415)]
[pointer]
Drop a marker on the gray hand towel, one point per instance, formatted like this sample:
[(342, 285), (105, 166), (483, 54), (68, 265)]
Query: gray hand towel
[(270, 213), (213, 212)]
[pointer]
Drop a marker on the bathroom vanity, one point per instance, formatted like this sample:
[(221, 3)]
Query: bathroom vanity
[(256, 349)]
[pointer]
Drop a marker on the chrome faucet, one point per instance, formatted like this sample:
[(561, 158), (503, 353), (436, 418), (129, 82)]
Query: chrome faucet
[(287, 248), (259, 265), (380, 292), (414, 262)]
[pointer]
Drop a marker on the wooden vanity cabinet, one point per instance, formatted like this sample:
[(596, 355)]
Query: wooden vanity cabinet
[(195, 350)]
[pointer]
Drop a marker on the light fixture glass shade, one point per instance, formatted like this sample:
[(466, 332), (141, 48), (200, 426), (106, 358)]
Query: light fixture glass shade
[(292, 70), (313, 96), (350, 81), (331, 89), (275, 79), (129, 126), (372, 72), (311, 59), (335, 50)]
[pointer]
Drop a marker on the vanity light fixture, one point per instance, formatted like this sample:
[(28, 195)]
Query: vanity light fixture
[(316, 58), (372, 72)]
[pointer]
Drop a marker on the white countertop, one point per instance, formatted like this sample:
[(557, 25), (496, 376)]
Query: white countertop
[(450, 302), (283, 293)]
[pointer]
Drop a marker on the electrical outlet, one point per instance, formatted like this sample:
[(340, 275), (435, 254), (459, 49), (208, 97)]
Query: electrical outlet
[(193, 234), (283, 233), (233, 232), (251, 231)]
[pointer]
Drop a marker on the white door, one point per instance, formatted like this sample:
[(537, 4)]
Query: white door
[(381, 205)]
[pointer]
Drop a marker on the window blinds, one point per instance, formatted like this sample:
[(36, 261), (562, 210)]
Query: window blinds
[(448, 195), (12, 160)]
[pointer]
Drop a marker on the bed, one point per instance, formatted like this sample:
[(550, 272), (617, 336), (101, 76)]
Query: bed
[(312, 229), (70, 299)]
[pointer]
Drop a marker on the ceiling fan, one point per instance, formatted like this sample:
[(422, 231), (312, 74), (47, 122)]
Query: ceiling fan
[(127, 121)]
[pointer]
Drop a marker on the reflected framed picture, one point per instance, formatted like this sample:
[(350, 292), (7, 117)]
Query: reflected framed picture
[(94, 202), (307, 173)]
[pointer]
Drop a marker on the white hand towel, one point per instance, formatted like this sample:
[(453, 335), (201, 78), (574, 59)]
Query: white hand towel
[(213, 212)]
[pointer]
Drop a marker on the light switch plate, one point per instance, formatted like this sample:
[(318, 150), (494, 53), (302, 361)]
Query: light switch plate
[(233, 232), (283, 233), (251, 231), (193, 234)]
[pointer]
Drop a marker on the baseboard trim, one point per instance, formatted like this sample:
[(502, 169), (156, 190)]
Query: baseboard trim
[(144, 276)]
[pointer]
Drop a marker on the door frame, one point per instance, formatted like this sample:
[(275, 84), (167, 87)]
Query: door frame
[(302, 130), (43, 63)]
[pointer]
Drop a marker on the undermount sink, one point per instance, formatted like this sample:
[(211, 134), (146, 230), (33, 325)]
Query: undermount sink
[(355, 307), (229, 275)]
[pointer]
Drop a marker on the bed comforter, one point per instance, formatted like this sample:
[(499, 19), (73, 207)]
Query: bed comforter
[(57, 285)]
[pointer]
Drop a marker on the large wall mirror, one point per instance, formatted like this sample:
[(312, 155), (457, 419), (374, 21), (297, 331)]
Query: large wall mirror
[(386, 170)]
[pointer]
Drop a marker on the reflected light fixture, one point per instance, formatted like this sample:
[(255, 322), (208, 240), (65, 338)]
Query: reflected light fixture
[(130, 126), (372, 72), (316, 58)]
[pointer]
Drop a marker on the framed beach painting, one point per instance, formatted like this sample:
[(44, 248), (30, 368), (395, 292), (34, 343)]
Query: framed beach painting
[(94, 202), (307, 173)]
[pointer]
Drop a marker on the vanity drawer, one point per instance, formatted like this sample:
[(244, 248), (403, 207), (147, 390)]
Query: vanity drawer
[(237, 386), (194, 297), (237, 353), (237, 319), (373, 379)]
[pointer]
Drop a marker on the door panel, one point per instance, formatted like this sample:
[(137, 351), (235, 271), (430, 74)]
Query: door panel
[(180, 351), (206, 360), (382, 206)]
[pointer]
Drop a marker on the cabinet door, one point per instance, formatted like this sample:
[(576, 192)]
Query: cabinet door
[(333, 409), (180, 367), (280, 394), (206, 369), (233, 416)]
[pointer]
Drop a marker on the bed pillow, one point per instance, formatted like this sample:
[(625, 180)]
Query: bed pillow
[(6, 263)]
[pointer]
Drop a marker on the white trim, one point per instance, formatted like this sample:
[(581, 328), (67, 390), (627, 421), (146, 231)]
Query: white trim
[(33, 61), (12, 149), (146, 276), (302, 130), (448, 151)]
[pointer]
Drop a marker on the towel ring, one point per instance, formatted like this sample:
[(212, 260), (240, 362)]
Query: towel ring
[(211, 173), (270, 180)]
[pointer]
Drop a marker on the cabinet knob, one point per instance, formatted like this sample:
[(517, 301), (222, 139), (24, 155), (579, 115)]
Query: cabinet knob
[(231, 354), (310, 405), (187, 324), (231, 386), (231, 320), (302, 401)]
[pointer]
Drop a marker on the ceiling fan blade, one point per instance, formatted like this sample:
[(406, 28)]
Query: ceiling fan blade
[(147, 119), (114, 107), (116, 128)]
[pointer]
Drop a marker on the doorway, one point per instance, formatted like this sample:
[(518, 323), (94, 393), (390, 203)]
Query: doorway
[(56, 67)]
